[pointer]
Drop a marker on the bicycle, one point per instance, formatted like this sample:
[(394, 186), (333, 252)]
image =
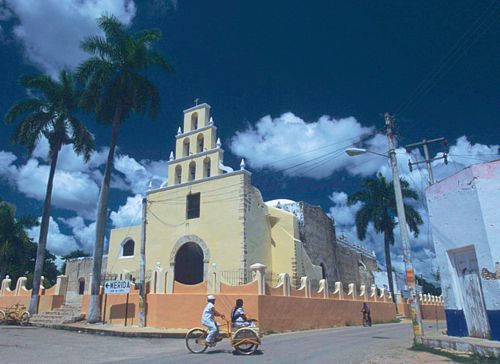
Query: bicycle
[(15, 314), (244, 340)]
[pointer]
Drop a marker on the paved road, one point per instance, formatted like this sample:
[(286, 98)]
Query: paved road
[(387, 343)]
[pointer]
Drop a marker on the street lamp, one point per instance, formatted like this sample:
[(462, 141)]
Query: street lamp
[(410, 273), (352, 152)]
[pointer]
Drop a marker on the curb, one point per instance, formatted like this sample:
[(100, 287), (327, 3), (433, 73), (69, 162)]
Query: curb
[(103, 332), (481, 350)]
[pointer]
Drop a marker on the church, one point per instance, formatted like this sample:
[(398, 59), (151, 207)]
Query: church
[(210, 216)]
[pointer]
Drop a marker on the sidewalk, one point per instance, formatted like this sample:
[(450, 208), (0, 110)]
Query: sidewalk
[(481, 347), (120, 330)]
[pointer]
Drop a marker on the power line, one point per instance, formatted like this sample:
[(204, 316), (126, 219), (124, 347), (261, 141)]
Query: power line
[(455, 53)]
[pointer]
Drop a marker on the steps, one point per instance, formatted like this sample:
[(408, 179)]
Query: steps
[(69, 312)]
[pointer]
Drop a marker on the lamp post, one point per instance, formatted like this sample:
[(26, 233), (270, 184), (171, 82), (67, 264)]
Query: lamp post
[(410, 273), (142, 265)]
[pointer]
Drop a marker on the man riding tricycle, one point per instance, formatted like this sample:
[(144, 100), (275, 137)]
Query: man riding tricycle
[(241, 330)]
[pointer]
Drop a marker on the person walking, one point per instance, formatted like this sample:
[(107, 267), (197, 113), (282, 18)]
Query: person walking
[(367, 318)]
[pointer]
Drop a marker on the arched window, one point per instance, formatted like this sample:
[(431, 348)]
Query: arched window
[(178, 174), (206, 167), (128, 248), (81, 286), (199, 147), (192, 171), (194, 121), (186, 147), (323, 270)]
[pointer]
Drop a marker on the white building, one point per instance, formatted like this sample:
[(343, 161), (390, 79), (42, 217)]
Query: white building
[(464, 212)]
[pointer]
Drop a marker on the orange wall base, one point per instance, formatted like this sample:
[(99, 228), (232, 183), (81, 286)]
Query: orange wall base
[(293, 313), (274, 313), (46, 303)]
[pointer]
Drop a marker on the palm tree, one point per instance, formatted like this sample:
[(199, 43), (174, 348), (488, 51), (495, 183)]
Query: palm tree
[(14, 241), (116, 88), (379, 208), (50, 114)]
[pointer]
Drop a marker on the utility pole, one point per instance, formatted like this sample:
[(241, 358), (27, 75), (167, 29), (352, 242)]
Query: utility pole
[(410, 273), (142, 266), (425, 143)]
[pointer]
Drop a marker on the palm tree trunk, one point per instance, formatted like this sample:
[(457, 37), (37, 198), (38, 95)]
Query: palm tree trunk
[(94, 312), (44, 230), (388, 263)]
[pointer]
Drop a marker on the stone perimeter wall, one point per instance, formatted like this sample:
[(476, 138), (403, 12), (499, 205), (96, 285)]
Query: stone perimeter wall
[(49, 299), (278, 308), (275, 314)]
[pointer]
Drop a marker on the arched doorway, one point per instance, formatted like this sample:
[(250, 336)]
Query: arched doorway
[(189, 264)]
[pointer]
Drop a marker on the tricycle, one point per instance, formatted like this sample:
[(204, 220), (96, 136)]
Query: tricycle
[(15, 314), (244, 340)]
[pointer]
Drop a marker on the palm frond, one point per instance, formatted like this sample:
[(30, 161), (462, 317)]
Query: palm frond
[(145, 92), (98, 46), (30, 130), (23, 107), (362, 221), (157, 59), (148, 36), (113, 28), (360, 196), (407, 191), (42, 83), (82, 139), (413, 219)]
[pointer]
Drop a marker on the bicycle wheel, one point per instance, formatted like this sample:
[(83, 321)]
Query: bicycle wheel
[(24, 320), (196, 340), (245, 341), (3, 318)]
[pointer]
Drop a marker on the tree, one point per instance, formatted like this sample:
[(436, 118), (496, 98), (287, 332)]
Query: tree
[(114, 89), (17, 249), (50, 114), (379, 208), (73, 254)]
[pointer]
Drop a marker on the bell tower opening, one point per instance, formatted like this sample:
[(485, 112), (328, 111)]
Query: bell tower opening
[(200, 145), (178, 174), (206, 167), (192, 171), (194, 121), (186, 147), (189, 264)]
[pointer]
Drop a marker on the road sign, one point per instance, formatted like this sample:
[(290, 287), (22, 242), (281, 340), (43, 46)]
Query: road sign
[(116, 287)]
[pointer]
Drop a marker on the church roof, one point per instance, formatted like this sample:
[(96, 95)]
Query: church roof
[(281, 201)]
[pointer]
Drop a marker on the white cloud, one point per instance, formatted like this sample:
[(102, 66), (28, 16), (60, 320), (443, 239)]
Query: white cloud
[(317, 149), (51, 30), (461, 154), (76, 183), (7, 169), (83, 233), (138, 175), (75, 191), (57, 242), (298, 148), (128, 214)]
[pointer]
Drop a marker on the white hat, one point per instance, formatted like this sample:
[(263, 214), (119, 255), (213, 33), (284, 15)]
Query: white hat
[(211, 297)]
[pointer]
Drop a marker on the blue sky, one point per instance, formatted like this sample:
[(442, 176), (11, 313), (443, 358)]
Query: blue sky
[(290, 84)]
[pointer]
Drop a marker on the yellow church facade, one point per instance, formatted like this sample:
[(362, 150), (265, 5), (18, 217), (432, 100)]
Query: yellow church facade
[(209, 216)]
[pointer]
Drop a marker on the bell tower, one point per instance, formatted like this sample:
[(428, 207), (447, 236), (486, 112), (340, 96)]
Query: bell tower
[(198, 153)]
